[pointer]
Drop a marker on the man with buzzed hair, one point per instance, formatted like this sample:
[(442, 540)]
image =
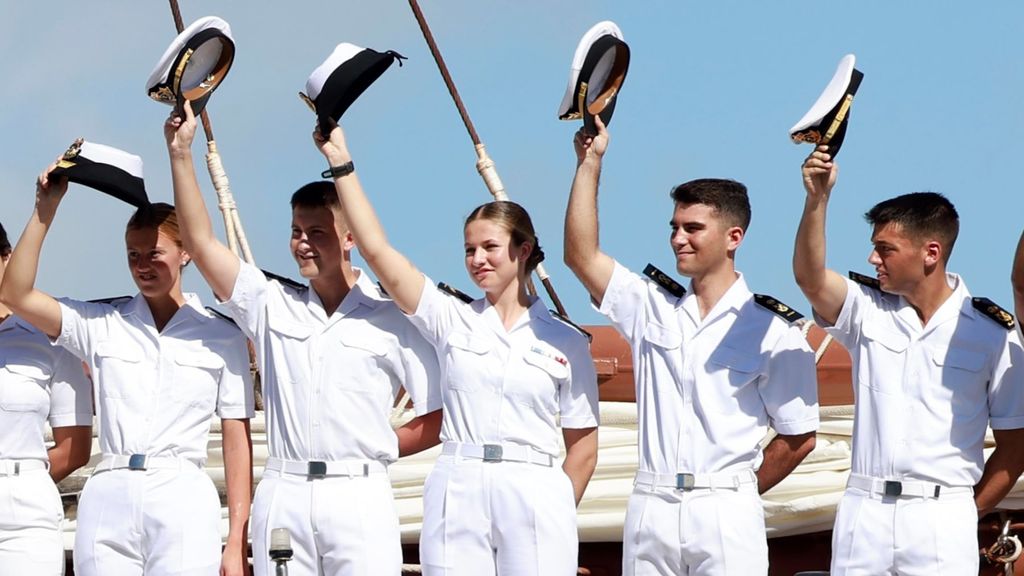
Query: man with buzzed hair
[(715, 367), (932, 368)]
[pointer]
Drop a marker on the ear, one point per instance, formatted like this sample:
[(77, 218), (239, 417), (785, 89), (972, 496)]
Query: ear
[(734, 237), (185, 259), (933, 252), (348, 242), (525, 249)]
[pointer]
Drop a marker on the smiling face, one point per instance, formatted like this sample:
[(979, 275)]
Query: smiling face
[(492, 260), (900, 261), (155, 261), (318, 240), (701, 240)]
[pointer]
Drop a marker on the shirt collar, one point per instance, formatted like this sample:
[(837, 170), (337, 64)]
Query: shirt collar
[(138, 306), (734, 298), (13, 322)]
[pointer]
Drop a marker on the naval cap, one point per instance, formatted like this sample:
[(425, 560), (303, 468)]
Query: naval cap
[(598, 70), (194, 65), (104, 168), (826, 121)]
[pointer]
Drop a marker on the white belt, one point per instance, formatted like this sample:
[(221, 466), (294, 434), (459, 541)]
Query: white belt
[(498, 453), (320, 469), (17, 467), (140, 462), (895, 488), (687, 481)]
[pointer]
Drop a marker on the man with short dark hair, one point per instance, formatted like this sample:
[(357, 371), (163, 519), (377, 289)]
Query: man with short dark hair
[(932, 368), (333, 357), (715, 367)]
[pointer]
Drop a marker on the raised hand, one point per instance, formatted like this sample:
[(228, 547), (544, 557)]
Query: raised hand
[(819, 173), (180, 132), (334, 147), (50, 191), (589, 146)]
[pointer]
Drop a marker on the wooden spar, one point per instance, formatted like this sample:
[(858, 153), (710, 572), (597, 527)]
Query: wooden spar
[(484, 164), (237, 241)]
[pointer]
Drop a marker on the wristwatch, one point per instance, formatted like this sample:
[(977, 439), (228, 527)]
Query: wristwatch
[(339, 171)]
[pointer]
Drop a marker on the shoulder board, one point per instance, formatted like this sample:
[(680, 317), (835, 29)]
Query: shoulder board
[(383, 292), (222, 316), (451, 291), (771, 304), (994, 311), (114, 301), (665, 281), (285, 281), (865, 280), (571, 324)]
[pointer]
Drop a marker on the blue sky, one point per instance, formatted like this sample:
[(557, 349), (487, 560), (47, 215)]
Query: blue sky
[(712, 89)]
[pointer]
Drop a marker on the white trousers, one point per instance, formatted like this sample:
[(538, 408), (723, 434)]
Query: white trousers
[(153, 522), (905, 536), (699, 532), (339, 526), (505, 518), (30, 525)]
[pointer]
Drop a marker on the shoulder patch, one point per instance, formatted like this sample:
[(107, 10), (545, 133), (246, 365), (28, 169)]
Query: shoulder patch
[(115, 301), (865, 280), (665, 281), (285, 281), (452, 291), (571, 324), (771, 304), (994, 311), (222, 316)]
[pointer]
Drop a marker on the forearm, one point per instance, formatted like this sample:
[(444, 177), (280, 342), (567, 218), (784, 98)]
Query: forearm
[(419, 434), (781, 456), (193, 219), (580, 458), (1002, 469), (18, 291), (581, 225), (1017, 278), (237, 447), (809, 251), (70, 451)]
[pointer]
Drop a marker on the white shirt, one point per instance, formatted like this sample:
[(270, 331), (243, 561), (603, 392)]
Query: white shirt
[(924, 395), (507, 386), (707, 389), (157, 391), (37, 382), (329, 382)]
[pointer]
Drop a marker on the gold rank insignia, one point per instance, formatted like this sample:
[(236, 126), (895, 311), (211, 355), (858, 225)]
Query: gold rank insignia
[(162, 94), (788, 314), (994, 311), (66, 161), (865, 280), (452, 291), (665, 281), (308, 101)]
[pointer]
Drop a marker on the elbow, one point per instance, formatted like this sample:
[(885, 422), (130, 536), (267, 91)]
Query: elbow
[(809, 445)]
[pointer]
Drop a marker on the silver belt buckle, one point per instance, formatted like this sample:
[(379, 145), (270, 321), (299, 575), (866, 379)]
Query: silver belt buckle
[(893, 488), (685, 481), (316, 469), (492, 452), (137, 462)]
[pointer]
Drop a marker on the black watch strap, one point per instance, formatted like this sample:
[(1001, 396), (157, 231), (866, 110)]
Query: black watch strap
[(339, 171)]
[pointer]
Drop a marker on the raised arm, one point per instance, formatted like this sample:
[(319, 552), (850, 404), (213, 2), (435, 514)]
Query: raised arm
[(215, 261), (583, 253), (403, 282), (1017, 279), (825, 289), (18, 291)]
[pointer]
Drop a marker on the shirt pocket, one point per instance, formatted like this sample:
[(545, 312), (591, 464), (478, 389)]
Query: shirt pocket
[(665, 345), (197, 378), (729, 388), (23, 387), (541, 381), (886, 350), (466, 361), (961, 378), (120, 369), (363, 357)]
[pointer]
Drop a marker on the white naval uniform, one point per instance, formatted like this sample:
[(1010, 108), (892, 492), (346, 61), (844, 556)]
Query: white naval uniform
[(37, 383), (706, 391), (156, 393), (504, 389), (328, 386), (923, 399)]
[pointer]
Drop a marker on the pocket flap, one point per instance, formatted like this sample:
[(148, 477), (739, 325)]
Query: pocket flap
[(206, 360), (362, 342), (960, 358), (662, 336), (466, 341), (734, 359), (28, 370), (288, 328), (891, 339), (125, 353), (546, 361)]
